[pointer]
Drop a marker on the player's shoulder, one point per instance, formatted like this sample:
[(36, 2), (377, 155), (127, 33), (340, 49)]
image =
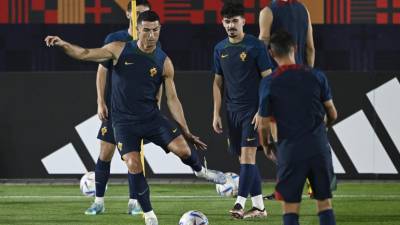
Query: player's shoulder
[(161, 52), (316, 72), (253, 40), (221, 45), (318, 75), (300, 6), (266, 9), (250, 37), (116, 36), (160, 56)]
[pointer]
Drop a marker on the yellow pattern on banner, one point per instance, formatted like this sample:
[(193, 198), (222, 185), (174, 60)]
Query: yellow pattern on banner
[(71, 11), (316, 9), (135, 37), (134, 20)]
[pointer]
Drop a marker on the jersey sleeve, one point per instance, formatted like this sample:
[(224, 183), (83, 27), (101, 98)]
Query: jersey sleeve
[(263, 59), (326, 93), (217, 63), (265, 97), (108, 64)]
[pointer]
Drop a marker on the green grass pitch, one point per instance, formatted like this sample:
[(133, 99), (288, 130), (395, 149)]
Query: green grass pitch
[(354, 204)]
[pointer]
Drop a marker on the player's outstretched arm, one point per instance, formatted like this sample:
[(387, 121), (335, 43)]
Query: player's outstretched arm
[(265, 23), (101, 79), (218, 89), (107, 52), (175, 106)]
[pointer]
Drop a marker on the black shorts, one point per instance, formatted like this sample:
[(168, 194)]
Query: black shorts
[(106, 132), (292, 177), (158, 130), (241, 132)]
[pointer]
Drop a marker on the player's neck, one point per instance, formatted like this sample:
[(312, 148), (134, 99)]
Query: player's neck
[(237, 39), (144, 48), (285, 61)]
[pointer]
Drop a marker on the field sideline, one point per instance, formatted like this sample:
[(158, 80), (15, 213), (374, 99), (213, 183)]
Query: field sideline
[(355, 204)]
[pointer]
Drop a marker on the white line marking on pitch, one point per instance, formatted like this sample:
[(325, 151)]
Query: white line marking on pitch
[(181, 197)]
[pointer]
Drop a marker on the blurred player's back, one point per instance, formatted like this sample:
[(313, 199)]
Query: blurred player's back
[(295, 94), (292, 17)]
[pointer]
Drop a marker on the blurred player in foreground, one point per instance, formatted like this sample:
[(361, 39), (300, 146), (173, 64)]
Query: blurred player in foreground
[(298, 98)]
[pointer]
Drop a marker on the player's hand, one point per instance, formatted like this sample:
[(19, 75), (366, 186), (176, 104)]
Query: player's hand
[(256, 121), (198, 144), (269, 153), (53, 41), (217, 124), (102, 111)]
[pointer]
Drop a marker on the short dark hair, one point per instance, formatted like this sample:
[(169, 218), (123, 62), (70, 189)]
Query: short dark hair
[(139, 2), (149, 16), (281, 43), (232, 9)]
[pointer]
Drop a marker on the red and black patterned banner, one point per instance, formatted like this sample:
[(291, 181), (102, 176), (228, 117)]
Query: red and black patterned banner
[(189, 11)]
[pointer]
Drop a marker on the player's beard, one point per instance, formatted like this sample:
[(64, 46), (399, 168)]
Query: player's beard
[(150, 43), (232, 33)]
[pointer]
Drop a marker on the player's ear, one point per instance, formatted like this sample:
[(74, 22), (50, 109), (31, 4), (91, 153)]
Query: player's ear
[(128, 15), (138, 28), (294, 48), (271, 53), (244, 21)]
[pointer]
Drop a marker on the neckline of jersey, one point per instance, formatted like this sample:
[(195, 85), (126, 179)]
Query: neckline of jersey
[(282, 2), (238, 43), (281, 69), (136, 46)]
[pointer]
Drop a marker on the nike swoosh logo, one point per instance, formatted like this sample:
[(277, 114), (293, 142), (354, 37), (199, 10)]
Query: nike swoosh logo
[(175, 130), (251, 139), (144, 192), (128, 63), (224, 56)]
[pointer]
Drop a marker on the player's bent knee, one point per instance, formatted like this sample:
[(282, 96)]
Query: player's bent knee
[(133, 162), (184, 153), (291, 207), (323, 205), (180, 148)]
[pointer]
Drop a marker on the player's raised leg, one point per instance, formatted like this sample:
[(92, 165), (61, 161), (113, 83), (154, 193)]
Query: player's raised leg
[(189, 157), (168, 136)]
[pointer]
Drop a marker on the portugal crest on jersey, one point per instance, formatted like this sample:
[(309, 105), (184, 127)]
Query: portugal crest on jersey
[(243, 56), (153, 72)]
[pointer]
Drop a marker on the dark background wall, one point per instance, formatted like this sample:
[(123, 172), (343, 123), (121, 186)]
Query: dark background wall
[(338, 47)]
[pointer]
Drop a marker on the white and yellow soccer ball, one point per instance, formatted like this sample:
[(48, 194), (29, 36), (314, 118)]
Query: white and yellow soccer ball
[(193, 217), (88, 184), (231, 187)]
